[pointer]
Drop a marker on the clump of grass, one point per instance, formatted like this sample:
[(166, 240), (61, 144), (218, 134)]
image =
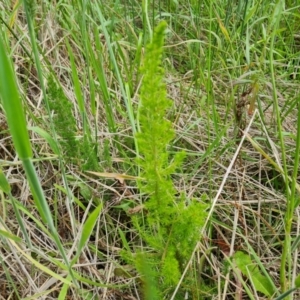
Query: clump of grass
[(215, 55), (171, 224)]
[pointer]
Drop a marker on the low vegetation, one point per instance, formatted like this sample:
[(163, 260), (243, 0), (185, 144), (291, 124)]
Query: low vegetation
[(149, 149)]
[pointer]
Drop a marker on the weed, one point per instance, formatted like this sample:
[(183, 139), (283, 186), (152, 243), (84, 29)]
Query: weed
[(66, 128), (63, 119), (171, 226)]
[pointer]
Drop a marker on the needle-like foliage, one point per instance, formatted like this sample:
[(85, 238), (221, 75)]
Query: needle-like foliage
[(171, 226)]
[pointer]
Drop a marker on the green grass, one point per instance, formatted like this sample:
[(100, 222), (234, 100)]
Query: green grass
[(79, 152)]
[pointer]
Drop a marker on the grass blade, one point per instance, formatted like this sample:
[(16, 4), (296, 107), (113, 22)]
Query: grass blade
[(11, 102), (87, 231)]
